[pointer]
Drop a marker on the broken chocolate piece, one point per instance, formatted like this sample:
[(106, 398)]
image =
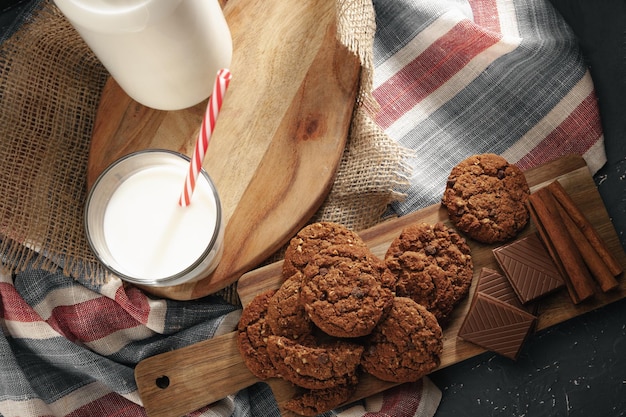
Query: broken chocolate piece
[(493, 283), (529, 268), (496, 325)]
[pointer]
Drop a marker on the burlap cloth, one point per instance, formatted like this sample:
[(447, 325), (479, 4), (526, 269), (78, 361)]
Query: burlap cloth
[(49, 93)]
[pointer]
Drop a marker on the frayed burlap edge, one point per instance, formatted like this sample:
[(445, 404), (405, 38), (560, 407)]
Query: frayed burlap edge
[(373, 171), (51, 84)]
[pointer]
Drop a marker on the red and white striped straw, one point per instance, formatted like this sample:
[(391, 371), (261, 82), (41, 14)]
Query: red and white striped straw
[(208, 124)]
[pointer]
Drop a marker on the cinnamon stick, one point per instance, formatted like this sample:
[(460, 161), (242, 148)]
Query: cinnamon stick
[(585, 227), (552, 252), (599, 270), (544, 205)]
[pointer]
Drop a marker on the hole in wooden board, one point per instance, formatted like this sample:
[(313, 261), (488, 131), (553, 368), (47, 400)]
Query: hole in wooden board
[(163, 382)]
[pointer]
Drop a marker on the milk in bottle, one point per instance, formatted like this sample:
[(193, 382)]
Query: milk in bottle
[(163, 53)]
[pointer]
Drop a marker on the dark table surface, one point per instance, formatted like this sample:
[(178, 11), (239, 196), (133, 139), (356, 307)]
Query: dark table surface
[(576, 368), (9, 10)]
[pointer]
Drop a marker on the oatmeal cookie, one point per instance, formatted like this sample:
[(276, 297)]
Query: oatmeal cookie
[(433, 266), (485, 197), (406, 345), (314, 402), (313, 238), (315, 366), (342, 291), (285, 314), (253, 331)]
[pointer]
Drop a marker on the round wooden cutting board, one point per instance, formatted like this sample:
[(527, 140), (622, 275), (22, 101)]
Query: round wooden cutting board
[(279, 137)]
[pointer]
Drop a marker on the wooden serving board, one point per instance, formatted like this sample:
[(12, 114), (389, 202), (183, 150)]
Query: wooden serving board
[(207, 371), (279, 137)]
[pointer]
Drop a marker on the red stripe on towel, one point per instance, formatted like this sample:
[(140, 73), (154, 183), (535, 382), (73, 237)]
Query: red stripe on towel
[(486, 14), (71, 320), (576, 134), (430, 70), (110, 405), (13, 307)]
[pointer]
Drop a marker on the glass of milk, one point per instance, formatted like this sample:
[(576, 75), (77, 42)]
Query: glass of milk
[(163, 53), (137, 229)]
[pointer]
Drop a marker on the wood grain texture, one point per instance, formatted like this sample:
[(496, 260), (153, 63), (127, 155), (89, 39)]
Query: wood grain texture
[(199, 377), (279, 137)]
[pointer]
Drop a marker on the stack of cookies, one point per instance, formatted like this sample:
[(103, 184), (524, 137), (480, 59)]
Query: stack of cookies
[(341, 311)]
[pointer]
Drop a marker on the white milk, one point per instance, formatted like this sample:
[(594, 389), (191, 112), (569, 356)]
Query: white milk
[(149, 236), (165, 54)]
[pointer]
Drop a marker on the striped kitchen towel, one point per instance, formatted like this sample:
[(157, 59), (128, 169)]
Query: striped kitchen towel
[(452, 78), (455, 78), (69, 350)]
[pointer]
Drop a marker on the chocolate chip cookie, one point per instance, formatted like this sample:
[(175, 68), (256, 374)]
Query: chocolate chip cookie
[(312, 239), (433, 266), (406, 345), (315, 366), (485, 197), (342, 291), (285, 314), (253, 331), (314, 402)]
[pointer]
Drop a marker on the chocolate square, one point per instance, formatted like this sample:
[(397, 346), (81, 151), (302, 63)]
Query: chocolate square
[(496, 325), (529, 268), (493, 283)]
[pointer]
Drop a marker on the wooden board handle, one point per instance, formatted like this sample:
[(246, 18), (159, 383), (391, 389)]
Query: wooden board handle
[(205, 372), (192, 377)]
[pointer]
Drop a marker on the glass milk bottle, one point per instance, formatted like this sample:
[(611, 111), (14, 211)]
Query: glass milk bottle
[(163, 53)]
